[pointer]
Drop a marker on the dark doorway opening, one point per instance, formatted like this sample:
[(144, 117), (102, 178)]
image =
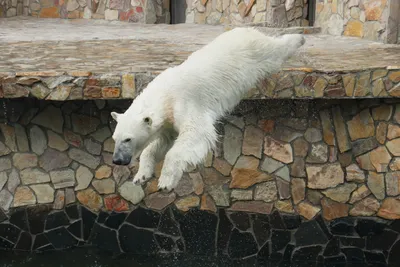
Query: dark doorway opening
[(311, 12), (178, 11)]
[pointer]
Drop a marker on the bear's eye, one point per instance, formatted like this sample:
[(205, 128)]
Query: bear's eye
[(127, 140), (147, 120)]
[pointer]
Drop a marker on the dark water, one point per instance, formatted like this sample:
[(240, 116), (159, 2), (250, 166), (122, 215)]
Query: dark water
[(93, 258)]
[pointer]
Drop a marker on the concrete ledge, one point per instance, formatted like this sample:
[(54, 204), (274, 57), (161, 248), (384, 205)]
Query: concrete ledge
[(107, 60)]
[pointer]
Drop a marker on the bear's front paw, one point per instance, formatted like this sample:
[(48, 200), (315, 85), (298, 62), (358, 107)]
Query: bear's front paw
[(168, 181), (142, 176)]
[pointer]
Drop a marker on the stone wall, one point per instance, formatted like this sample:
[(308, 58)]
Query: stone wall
[(304, 157), (11, 8), (369, 19), (284, 169), (274, 13), (146, 11)]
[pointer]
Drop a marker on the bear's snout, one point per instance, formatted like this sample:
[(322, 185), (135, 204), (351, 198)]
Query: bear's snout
[(121, 160)]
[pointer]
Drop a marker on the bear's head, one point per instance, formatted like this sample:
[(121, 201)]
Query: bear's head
[(131, 135)]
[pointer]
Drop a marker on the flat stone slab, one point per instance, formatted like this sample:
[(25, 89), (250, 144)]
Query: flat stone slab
[(89, 59)]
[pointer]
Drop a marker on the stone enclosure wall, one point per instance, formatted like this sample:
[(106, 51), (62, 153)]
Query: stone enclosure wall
[(376, 20), (143, 11), (273, 13), (290, 179), (305, 158)]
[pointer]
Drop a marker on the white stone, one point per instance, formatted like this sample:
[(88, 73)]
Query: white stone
[(131, 192), (34, 176), (111, 14), (63, 178), (44, 193), (289, 4)]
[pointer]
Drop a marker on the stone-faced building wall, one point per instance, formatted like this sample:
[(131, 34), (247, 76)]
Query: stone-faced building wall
[(272, 13), (140, 11), (12, 8), (290, 181), (376, 20)]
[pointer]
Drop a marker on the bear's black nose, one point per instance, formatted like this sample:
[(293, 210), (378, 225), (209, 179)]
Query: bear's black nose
[(117, 161)]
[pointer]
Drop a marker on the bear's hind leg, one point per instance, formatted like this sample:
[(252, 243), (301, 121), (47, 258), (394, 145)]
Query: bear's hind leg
[(191, 147), (153, 153)]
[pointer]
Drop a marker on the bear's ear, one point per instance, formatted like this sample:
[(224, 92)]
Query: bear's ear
[(115, 115)]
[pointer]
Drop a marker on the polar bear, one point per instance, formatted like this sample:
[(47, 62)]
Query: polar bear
[(174, 117)]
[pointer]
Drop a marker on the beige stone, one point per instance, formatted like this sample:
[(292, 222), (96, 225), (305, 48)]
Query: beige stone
[(104, 186), (266, 192), (159, 200), (367, 207), (390, 209), (361, 126), (381, 132), (341, 132), (341, 193), (376, 184), (332, 210), (359, 194), (324, 176), (245, 173), (298, 188), (25, 160), (354, 28), (380, 158), (362, 84), (184, 204), (103, 172), (284, 206), (380, 73), (327, 129), (252, 206), (44, 193), (222, 166), (55, 141), (90, 199), (394, 76), (394, 146), (300, 147), (393, 131), (307, 210), (278, 150), (239, 194), (395, 165), (392, 183), (374, 9), (252, 141), (365, 163), (349, 81), (378, 88), (207, 203), (23, 196), (382, 113), (354, 174)]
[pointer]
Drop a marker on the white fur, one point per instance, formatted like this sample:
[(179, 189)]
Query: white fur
[(193, 96)]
